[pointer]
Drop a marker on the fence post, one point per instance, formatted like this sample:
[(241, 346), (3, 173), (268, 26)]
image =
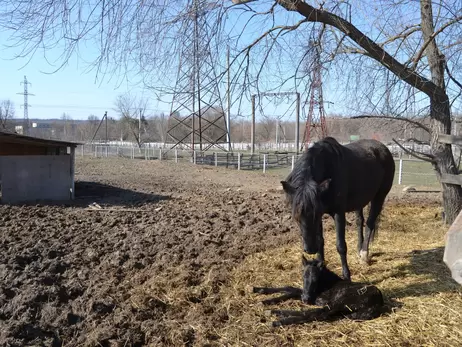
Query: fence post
[(400, 171), (264, 163), (107, 149), (176, 156), (239, 161), (160, 153), (133, 152), (216, 158), (194, 157), (293, 161), (83, 150)]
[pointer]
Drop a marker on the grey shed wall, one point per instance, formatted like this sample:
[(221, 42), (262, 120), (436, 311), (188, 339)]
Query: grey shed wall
[(36, 177)]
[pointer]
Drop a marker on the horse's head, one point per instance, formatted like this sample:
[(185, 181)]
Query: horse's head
[(307, 210), (312, 271)]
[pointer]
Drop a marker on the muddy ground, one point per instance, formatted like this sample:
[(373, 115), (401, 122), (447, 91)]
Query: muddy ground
[(71, 276)]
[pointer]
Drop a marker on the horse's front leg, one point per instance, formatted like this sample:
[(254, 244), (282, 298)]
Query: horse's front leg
[(320, 254), (288, 293), (341, 244)]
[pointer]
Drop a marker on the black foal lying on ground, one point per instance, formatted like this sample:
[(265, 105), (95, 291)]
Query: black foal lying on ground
[(339, 298)]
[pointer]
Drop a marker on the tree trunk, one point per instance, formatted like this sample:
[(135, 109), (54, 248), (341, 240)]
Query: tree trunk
[(444, 159), (440, 113)]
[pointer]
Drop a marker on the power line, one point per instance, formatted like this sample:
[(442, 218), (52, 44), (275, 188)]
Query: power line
[(87, 107)]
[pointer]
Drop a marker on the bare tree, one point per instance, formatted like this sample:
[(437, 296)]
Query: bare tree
[(267, 127), (87, 129), (404, 66), (132, 113), (67, 127), (6, 113), (160, 122)]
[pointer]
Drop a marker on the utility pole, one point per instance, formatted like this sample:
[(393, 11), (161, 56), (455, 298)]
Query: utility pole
[(228, 116), (297, 114), (252, 131), (139, 126), (26, 106), (278, 124)]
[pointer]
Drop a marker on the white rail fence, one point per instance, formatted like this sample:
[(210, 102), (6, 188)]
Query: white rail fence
[(408, 171)]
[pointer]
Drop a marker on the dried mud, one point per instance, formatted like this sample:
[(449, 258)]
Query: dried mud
[(147, 274)]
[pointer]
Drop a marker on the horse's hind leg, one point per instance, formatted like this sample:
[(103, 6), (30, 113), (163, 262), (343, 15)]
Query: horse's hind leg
[(360, 226), (366, 313), (341, 244), (320, 314), (371, 226)]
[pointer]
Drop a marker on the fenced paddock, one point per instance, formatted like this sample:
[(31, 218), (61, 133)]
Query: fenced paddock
[(408, 171), (170, 252)]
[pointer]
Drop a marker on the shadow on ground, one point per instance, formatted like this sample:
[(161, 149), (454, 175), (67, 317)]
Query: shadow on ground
[(88, 192), (429, 266)]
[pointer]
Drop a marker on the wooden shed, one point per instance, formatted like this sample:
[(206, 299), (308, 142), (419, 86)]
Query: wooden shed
[(33, 169)]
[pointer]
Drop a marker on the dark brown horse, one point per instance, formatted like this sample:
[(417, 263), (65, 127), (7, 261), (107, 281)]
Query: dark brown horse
[(334, 179)]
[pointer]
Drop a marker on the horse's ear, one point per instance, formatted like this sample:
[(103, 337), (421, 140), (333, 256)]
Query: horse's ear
[(324, 185), (287, 187), (305, 261)]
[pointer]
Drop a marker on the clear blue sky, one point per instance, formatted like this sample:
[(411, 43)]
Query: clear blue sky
[(69, 90)]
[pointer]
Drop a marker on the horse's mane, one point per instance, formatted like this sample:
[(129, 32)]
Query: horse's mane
[(310, 170)]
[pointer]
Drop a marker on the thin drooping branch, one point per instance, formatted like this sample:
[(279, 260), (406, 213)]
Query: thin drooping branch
[(268, 32), (452, 77), (419, 155), (373, 49), (411, 121), (419, 142), (406, 32)]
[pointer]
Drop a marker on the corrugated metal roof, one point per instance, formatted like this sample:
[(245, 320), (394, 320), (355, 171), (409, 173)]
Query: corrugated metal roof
[(9, 137)]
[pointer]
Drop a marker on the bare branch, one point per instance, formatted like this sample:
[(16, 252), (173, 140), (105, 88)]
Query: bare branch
[(407, 31), (417, 124), (375, 51), (419, 142), (7, 112), (419, 155), (268, 32), (451, 77), (432, 37)]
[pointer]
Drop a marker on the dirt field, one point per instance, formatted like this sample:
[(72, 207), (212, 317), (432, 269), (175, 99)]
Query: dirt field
[(171, 265)]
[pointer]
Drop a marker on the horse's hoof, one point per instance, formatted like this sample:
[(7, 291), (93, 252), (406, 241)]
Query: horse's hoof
[(364, 258), (274, 324)]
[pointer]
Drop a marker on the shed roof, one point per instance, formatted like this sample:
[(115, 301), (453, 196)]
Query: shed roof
[(8, 137)]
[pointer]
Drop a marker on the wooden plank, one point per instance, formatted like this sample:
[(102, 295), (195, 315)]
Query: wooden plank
[(450, 139), (451, 179)]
